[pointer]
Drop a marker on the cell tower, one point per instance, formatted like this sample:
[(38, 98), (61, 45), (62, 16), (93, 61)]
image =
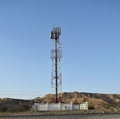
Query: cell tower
[(56, 55)]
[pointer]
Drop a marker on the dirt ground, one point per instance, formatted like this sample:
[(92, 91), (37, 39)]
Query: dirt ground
[(82, 116)]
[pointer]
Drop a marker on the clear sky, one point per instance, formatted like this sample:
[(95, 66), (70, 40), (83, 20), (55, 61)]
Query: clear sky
[(90, 46)]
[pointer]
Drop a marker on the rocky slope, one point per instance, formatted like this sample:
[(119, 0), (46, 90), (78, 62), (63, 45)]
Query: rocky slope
[(109, 102), (103, 102)]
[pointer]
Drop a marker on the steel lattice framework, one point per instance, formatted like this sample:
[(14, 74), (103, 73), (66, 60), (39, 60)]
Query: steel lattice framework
[(56, 55)]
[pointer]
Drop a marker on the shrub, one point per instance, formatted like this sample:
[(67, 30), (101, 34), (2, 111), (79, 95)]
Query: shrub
[(91, 107)]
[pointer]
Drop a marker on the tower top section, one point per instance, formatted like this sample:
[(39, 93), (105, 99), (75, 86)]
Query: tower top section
[(55, 33)]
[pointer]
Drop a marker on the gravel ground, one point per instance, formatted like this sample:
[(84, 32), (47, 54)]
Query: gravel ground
[(89, 116)]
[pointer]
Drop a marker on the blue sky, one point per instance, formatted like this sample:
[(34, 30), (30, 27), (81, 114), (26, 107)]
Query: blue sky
[(90, 46)]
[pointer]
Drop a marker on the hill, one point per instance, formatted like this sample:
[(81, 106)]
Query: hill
[(100, 102), (14, 105), (104, 102)]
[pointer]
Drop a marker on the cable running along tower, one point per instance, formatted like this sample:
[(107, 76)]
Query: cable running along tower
[(56, 55)]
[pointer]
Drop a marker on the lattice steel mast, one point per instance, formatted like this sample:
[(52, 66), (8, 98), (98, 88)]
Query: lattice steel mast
[(56, 54)]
